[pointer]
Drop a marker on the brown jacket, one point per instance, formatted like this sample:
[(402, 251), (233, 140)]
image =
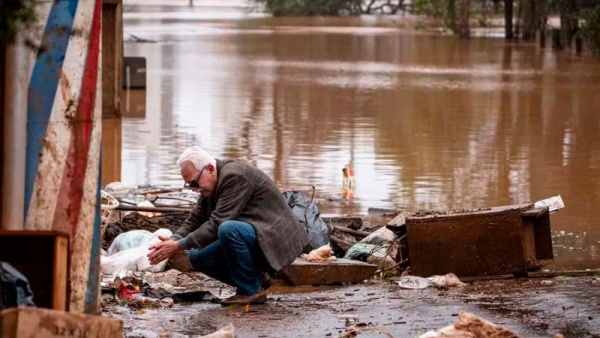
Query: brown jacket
[(244, 193)]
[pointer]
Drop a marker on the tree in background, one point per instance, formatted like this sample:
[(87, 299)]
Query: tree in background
[(311, 7), (463, 10), (508, 19), (532, 17), (590, 29), (14, 15), (569, 21)]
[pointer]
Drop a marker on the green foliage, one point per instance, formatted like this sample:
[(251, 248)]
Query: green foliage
[(15, 14), (419, 25), (590, 30), (311, 7), (435, 8)]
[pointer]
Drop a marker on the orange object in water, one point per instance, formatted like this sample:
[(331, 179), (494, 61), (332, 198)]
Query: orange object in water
[(350, 170), (348, 177)]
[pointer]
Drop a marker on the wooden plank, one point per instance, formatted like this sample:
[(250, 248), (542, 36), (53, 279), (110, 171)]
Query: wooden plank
[(111, 150), (301, 272), (61, 273), (28, 322), (112, 59)]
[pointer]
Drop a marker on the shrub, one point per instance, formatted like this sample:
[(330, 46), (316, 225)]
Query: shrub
[(435, 8), (590, 29), (311, 7)]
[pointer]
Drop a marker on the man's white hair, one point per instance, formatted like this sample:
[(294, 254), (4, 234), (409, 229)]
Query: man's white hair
[(198, 156)]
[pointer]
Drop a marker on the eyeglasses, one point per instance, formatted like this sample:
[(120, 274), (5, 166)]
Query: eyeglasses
[(194, 183)]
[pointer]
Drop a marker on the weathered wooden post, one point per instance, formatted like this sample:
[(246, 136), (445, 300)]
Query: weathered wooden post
[(3, 68), (63, 112), (18, 60), (112, 84)]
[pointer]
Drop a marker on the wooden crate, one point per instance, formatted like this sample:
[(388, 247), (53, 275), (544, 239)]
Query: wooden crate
[(494, 241), (24, 322), (42, 257)]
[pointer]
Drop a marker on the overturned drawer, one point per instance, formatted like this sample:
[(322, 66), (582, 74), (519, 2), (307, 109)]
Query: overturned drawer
[(494, 241)]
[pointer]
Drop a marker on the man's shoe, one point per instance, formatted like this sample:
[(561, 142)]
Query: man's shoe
[(265, 281), (258, 298)]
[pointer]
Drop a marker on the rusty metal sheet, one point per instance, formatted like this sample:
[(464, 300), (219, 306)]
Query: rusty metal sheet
[(301, 272), (488, 242)]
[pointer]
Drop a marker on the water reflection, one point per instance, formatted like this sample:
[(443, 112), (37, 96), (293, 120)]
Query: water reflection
[(426, 121)]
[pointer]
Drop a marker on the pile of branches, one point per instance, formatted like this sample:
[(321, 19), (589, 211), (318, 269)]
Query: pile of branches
[(137, 221)]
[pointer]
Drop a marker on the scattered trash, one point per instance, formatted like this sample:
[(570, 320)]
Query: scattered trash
[(361, 327), (226, 332), (445, 281), (378, 248), (147, 204), (347, 319), (470, 325), (322, 254), (413, 282), (547, 283), (553, 203)]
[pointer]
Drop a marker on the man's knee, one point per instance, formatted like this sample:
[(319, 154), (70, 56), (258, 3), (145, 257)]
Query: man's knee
[(228, 229)]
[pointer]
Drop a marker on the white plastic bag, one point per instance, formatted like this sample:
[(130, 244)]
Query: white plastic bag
[(129, 240), (131, 253), (378, 248)]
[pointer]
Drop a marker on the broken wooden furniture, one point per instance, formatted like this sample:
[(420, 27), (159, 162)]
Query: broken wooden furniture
[(301, 272), (42, 257), (507, 240)]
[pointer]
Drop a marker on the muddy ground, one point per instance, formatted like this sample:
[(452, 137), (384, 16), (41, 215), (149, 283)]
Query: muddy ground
[(535, 307)]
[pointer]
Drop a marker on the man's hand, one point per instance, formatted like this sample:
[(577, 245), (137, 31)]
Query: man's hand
[(163, 250)]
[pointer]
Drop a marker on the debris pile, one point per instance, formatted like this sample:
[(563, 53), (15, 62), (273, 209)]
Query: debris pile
[(469, 325)]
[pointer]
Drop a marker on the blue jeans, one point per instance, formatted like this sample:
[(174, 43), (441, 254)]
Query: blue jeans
[(234, 258)]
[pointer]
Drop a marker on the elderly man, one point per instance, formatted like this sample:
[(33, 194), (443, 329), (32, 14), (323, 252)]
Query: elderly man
[(240, 230)]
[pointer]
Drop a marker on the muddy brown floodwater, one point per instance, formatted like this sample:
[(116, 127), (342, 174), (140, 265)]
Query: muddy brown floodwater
[(427, 121)]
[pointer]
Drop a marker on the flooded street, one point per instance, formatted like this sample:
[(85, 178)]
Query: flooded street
[(427, 121), (527, 307)]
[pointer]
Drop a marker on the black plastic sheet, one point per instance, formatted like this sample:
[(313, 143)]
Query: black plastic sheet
[(14, 288), (308, 214)]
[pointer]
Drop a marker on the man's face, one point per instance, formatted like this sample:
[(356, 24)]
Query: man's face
[(203, 181)]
